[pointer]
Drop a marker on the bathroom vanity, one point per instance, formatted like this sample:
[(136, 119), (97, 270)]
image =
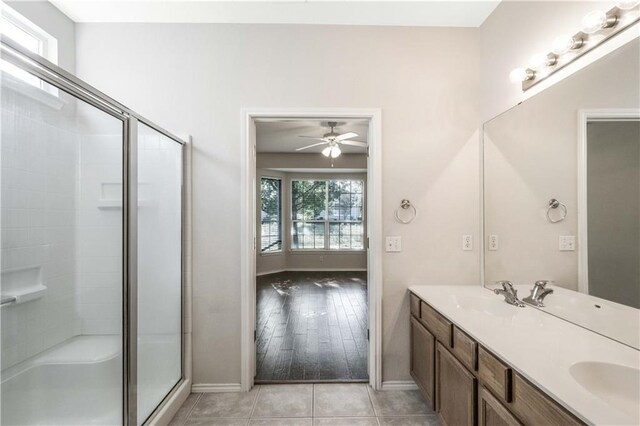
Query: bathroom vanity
[(479, 360)]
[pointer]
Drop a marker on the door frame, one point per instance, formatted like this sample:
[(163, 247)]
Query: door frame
[(248, 229), (585, 116)]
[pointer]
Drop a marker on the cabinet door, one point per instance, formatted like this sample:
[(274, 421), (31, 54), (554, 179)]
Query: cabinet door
[(455, 390), (422, 359), (491, 412)]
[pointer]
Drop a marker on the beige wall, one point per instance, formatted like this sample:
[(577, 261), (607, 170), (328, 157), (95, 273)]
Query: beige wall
[(196, 79), (516, 30), (531, 156)]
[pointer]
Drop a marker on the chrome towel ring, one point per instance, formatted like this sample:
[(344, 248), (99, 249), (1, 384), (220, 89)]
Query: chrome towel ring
[(406, 205), (553, 205)]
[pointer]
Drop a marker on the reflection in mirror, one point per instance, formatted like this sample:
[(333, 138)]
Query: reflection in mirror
[(577, 142), (612, 176)]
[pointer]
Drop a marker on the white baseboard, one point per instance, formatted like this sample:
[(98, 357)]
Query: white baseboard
[(216, 387), (399, 385), (277, 271)]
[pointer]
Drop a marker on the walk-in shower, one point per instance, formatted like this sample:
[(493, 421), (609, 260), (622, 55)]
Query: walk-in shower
[(91, 263)]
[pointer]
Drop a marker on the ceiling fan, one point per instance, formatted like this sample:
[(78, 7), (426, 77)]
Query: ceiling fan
[(333, 141)]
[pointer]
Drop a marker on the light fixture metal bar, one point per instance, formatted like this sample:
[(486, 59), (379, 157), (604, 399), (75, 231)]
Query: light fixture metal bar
[(624, 20)]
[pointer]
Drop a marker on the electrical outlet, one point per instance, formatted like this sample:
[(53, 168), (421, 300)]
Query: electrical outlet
[(393, 244), (567, 243), (467, 242), (493, 242)]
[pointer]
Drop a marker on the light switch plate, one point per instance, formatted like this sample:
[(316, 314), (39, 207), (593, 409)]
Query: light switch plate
[(393, 244), (467, 242), (494, 244), (567, 243)]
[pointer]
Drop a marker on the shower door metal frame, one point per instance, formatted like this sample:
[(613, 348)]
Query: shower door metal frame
[(67, 82)]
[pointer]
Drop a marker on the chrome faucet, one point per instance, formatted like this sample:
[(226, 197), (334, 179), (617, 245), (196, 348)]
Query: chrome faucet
[(510, 294), (538, 293)]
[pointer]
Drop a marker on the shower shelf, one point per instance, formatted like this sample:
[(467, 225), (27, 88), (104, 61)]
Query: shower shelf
[(24, 295)]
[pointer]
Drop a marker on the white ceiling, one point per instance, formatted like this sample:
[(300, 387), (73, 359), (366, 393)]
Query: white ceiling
[(283, 135), (451, 13)]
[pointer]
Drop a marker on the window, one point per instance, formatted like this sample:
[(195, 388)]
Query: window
[(327, 214), (271, 214), (31, 37)]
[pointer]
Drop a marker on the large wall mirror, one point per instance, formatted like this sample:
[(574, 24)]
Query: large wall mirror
[(562, 196)]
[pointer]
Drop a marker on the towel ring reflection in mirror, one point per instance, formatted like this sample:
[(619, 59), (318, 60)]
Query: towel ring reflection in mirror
[(406, 205), (553, 205)]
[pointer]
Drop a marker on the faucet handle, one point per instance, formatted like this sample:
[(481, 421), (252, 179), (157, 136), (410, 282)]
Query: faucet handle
[(542, 283), (506, 285)]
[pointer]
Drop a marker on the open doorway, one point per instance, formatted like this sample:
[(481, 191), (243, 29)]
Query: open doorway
[(311, 252), (249, 209)]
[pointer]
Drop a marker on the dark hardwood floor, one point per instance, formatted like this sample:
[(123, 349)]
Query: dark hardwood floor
[(312, 326)]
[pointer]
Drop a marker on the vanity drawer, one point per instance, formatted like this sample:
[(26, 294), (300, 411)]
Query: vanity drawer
[(494, 374), (531, 406), (436, 323), (465, 349), (414, 301)]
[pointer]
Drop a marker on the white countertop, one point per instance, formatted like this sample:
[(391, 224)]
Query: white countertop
[(539, 346)]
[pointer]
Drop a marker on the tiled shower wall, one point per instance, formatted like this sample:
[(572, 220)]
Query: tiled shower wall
[(99, 231), (39, 157)]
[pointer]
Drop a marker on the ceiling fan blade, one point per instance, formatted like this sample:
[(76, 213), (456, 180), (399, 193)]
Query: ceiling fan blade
[(311, 146), (344, 136), (313, 137), (354, 143)]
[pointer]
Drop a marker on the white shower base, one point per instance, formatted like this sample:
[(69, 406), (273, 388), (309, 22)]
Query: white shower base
[(78, 382)]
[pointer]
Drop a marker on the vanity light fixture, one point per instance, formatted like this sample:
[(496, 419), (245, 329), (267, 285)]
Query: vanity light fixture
[(597, 20), (564, 43), (597, 27), (521, 74)]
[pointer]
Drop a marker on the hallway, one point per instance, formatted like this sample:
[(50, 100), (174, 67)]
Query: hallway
[(311, 326)]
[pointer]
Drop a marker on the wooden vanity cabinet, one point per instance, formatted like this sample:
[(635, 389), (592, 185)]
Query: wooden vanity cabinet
[(423, 346), (455, 390), (535, 408), (467, 384), (491, 412)]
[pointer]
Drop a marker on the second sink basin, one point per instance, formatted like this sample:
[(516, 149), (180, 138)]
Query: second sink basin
[(615, 384)]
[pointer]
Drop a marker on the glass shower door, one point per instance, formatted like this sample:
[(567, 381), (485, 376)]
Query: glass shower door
[(61, 275), (159, 225)]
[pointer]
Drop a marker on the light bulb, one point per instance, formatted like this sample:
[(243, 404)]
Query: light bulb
[(564, 43), (326, 151), (335, 151), (519, 75), (597, 20), (626, 5), (537, 61)]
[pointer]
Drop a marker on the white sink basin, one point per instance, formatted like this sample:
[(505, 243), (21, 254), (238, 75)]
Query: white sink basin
[(615, 384)]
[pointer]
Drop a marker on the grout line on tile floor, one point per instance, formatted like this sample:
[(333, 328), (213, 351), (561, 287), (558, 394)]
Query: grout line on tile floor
[(313, 401), (369, 390), (255, 401)]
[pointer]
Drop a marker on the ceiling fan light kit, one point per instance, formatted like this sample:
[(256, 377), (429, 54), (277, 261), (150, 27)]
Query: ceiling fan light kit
[(333, 141)]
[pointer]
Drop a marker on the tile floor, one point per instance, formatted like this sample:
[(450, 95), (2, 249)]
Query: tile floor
[(307, 404)]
